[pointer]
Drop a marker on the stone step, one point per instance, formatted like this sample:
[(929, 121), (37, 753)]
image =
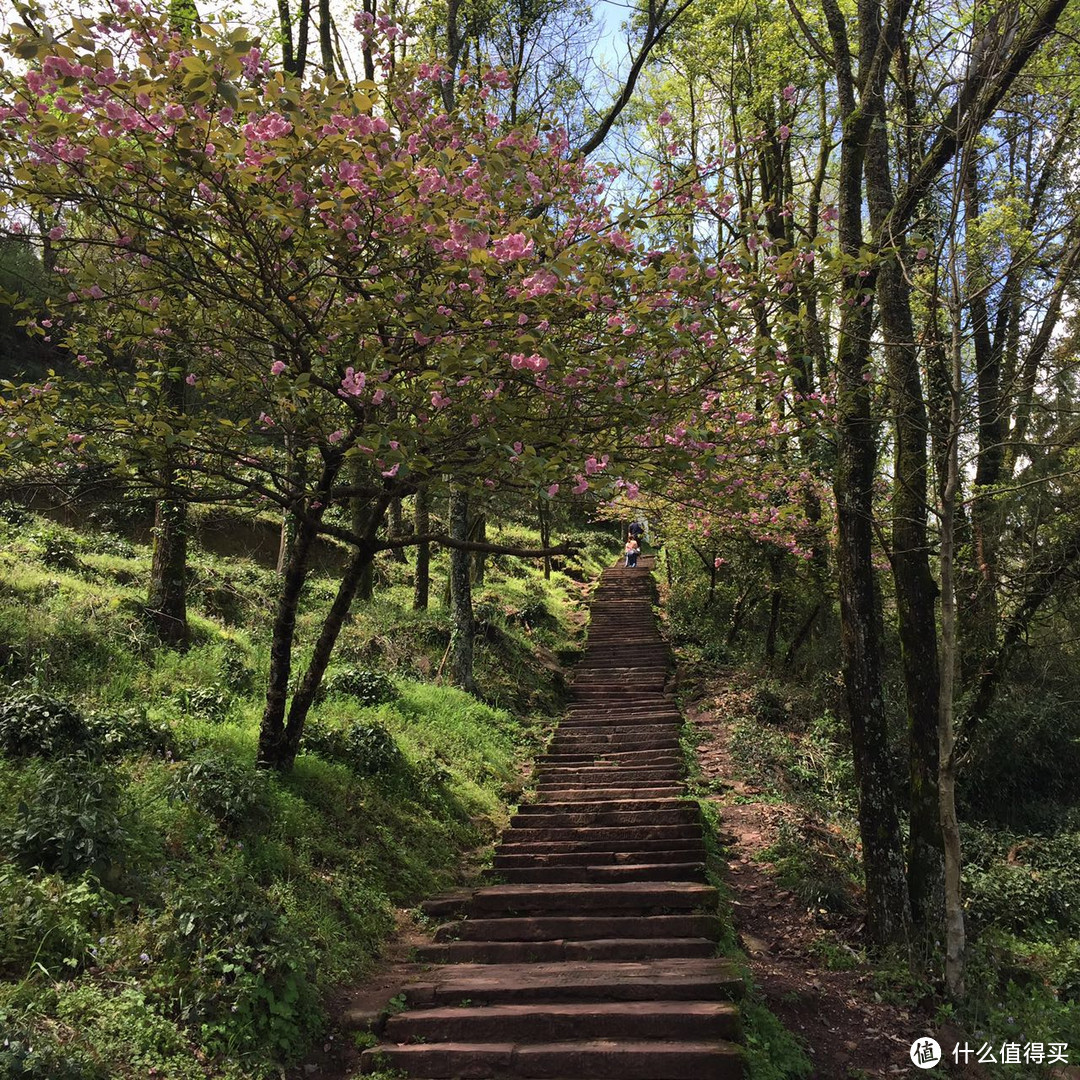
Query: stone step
[(635, 1020), (665, 755), (570, 806), (630, 871), (598, 1059), (532, 952), (592, 819), (579, 927), (576, 898), (603, 794), (604, 775), (596, 845), (624, 833), (609, 745), (647, 980), (621, 857)]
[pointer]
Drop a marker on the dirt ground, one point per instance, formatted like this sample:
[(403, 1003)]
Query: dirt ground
[(840, 1018)]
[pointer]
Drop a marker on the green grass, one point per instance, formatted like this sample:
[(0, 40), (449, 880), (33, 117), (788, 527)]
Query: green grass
[(194, 913)]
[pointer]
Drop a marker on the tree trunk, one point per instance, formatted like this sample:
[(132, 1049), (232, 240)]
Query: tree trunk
[(887, 910), (273, 746), (320, 658), (167, 600), (166, 605), (422, 578), (326, 30), (776, 601), (360, 513), (950, 828), (461, 614), (397, 529), (479, 533), (916, 592), (545, 533)]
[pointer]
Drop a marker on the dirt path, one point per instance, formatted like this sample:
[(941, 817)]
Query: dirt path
[(849, 1032)]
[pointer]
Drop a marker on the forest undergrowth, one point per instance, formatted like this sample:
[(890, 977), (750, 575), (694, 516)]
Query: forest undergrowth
[(772, 748)]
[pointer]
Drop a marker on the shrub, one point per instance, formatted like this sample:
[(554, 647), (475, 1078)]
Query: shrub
[(366, 747), (72, 824), (36, 725), (59, 553), (211, 702), (49, 922), (233, 793), (231, 967), (368, 687)]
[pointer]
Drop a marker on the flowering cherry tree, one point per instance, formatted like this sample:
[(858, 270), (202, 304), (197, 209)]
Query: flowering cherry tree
[(308, 296)]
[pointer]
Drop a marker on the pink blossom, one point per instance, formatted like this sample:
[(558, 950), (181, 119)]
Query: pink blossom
[(553, 490), (56, 233), (535, 362), (788, 92), (439, 400), (277, 367), (190, 380), (514, 246), (581, 487), (784, 132), (377, 397), (664, 118), (336, 436), (75, 438), (266, 421), (393, 470), (352, 385)]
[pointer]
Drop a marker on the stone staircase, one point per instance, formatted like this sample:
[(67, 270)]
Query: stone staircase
[(594, 957)]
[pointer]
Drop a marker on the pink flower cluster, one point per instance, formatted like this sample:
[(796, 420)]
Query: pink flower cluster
[(514, 246), (535, 362), (352, 385)]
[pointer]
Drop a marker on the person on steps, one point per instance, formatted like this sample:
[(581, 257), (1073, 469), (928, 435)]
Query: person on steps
[(631, 550)]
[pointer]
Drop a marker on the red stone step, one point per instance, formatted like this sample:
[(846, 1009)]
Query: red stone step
[(648, 980), (609, 805), (610, 772), (636, 1020), (626, 834), (532, 952), (587, 795), (596, 846), (582, 898), (620, 857), (579, 927), (630, 871), (596, 818)]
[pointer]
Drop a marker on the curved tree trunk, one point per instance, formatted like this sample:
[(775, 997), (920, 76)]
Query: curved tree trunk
[(461, 613)]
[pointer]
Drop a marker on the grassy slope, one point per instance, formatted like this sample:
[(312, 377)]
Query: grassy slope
[(192, 913)]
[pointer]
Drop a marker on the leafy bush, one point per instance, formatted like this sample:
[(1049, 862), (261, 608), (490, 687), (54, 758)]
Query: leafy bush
[(49, 922), (211, 702), (368, 687), (1023, 884), (72, 824), (366, 747), (36, 725), (231, 967), (233, 793), (59, 553)]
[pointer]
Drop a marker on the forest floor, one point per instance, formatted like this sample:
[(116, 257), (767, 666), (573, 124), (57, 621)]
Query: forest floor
[(848, 1025)]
